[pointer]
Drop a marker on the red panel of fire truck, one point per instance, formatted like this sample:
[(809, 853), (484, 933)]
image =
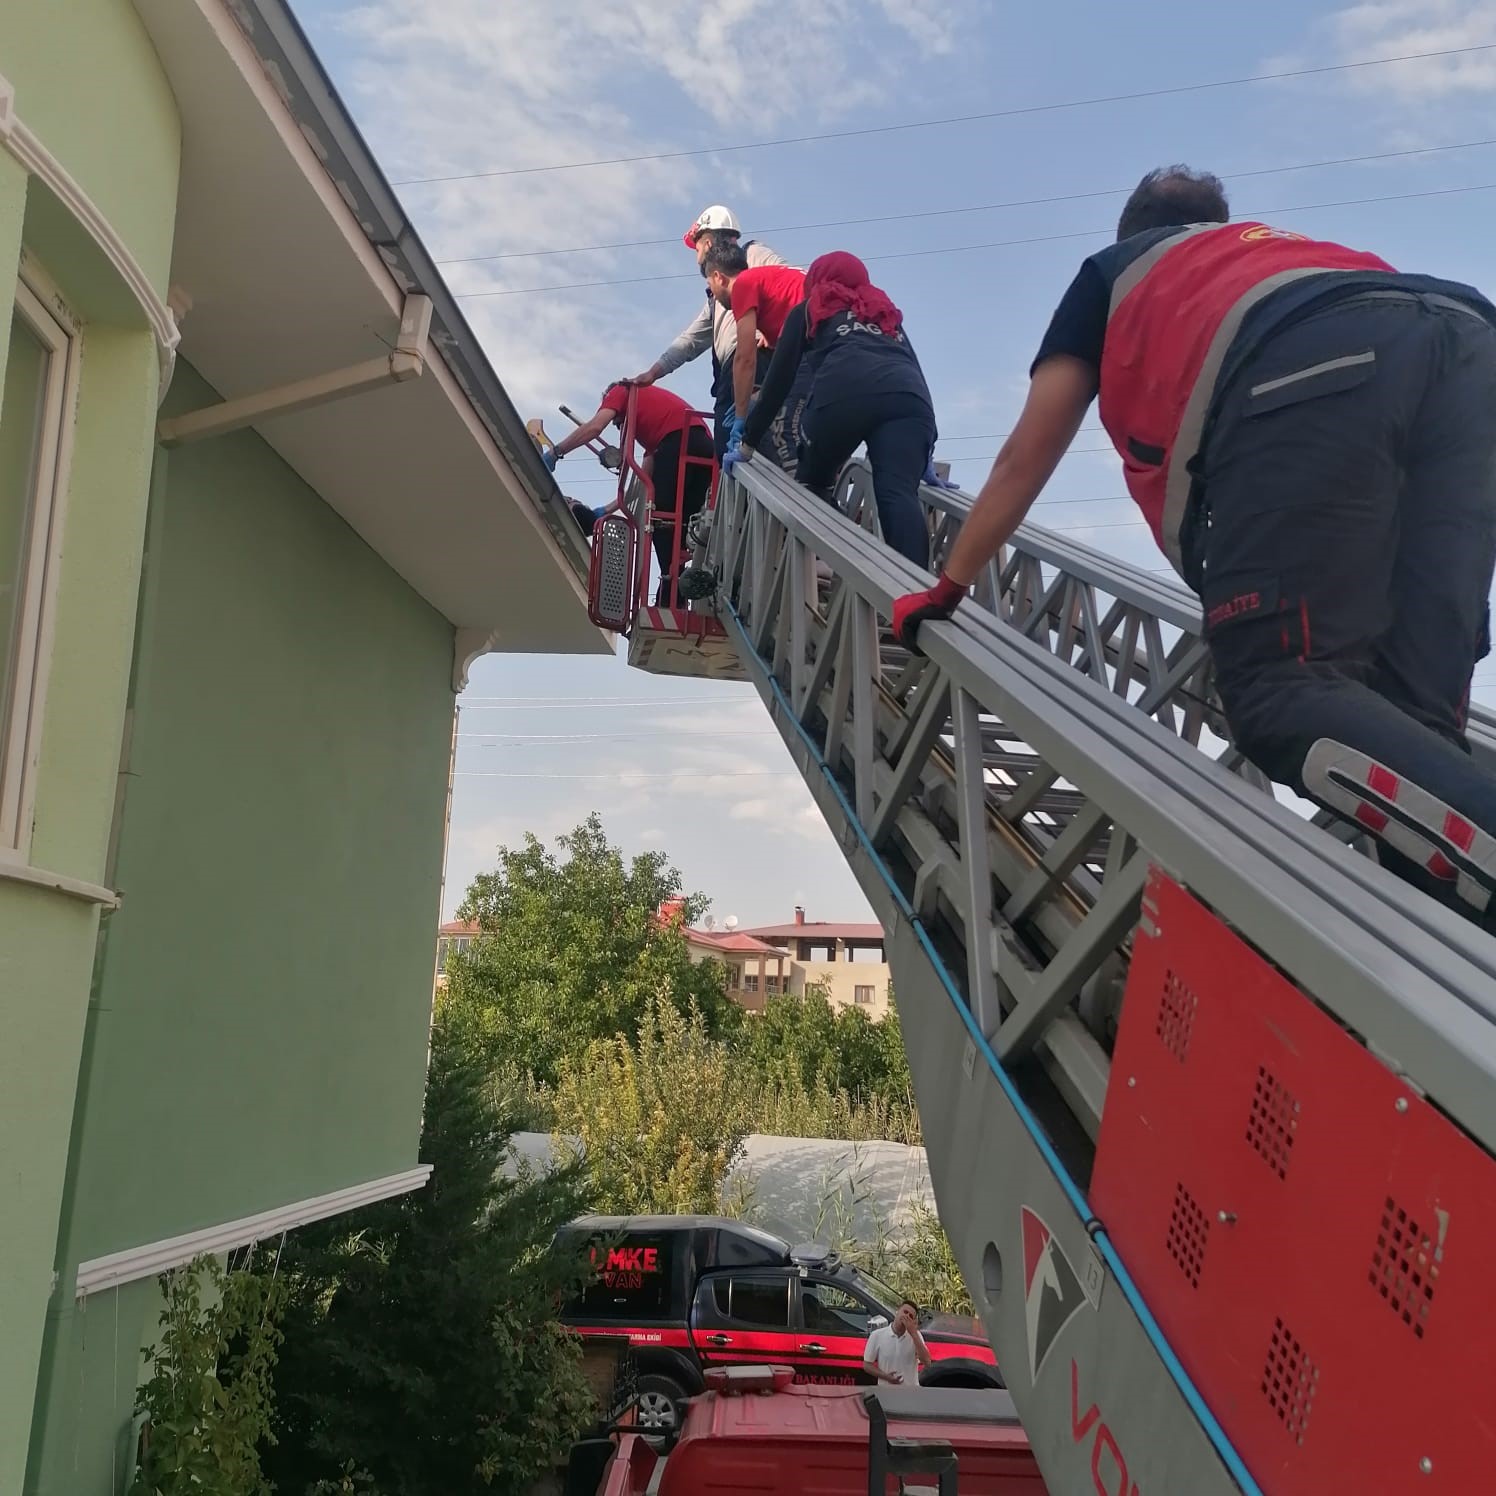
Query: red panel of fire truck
[(1313, 1236), (816, 1441)]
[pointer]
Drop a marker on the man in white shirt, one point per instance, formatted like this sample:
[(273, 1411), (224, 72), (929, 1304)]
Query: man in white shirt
[(896, 1353)]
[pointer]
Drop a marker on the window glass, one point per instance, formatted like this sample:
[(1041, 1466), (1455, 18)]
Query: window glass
[(761, 1301), (33, 396), (878, 1291), (21, 407), (831, 1309), (633, 1278), (740, 1249)]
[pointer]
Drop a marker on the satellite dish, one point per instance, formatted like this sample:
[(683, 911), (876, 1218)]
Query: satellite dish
[(710, 922), (730, 923)]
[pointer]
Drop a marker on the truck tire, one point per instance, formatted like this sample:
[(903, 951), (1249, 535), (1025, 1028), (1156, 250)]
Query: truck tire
[(659, 1404)]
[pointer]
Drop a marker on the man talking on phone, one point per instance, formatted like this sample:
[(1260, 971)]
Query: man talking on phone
[(896, 1353)]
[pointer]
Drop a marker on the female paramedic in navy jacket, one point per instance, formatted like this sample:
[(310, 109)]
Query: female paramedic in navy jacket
[(868, 387)]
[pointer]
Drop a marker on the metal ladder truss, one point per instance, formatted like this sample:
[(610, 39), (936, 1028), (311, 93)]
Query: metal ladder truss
[(1001, 801)]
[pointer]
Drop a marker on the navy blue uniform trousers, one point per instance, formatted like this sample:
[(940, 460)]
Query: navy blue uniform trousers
[(1342, 537)]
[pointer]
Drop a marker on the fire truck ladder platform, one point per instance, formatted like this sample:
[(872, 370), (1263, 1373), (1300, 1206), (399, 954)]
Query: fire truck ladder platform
[(1209, 1097)]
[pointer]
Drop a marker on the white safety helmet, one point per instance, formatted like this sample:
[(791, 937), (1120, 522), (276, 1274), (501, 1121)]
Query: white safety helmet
[(715, 217)]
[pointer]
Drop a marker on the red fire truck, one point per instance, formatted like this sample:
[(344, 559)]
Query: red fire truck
[(755, 1432)]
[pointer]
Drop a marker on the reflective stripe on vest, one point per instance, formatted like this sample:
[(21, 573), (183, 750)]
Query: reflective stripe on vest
[(1174, 314)]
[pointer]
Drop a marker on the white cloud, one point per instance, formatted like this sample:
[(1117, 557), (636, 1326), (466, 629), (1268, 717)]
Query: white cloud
[(933, 25), (452, 86), (789, 814), (1395, 28)]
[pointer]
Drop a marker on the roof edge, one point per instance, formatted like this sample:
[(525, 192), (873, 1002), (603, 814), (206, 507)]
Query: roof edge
[(308, 93)]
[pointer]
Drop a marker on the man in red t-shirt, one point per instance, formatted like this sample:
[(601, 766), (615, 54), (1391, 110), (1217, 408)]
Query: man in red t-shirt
[(669, 431), (760, 298)]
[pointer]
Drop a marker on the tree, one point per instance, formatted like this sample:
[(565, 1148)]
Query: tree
[(422, 1349), (574, 949), (657, 1123), (892, 1059), (208, 1399), (805, 1040), (927, 1266), (792, 1039)]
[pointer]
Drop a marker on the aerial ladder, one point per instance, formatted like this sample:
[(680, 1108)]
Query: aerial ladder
[(1209, 1097)]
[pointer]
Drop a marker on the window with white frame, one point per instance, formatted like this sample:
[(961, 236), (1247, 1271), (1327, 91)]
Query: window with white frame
[(35, 418)]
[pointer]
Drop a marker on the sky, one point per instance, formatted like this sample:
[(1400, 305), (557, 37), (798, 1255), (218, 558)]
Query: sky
[(974, 228)]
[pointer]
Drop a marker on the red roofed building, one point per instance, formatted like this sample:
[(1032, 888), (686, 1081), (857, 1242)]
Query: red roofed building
[(846, 960), (755, 969), (455, 935)]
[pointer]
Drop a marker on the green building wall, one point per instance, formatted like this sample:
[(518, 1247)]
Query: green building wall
[(101, 106), (248, 1029), (258, 1029)]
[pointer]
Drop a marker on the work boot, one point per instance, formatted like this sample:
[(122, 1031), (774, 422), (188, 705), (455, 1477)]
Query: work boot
[(1446, 853)]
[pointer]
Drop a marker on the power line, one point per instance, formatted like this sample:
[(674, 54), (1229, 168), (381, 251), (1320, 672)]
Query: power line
[(1118, 524), (1021, 202), (1108, 498), (628, 774), (1002, 436), (519, 739), (540, 701), (958, 249), (1174, 91), (1069, 452), (547, 704)]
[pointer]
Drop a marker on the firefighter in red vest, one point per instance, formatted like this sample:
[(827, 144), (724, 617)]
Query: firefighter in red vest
[(677, 459), (1311, 438)]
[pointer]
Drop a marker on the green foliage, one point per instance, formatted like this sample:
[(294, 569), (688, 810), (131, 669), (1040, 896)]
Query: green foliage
[(573, 950), (527, 1103), (822, 1072), (422, 1353), (927, 1267), (787, 1109), (349, 1481), (208, 1398), (658, 1122)]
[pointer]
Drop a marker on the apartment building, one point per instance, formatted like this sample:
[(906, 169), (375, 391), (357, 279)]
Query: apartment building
[(756, 970), (453, 936), (846, 960)]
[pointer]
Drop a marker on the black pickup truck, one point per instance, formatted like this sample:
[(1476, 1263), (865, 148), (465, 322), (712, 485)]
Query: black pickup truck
[(696, 1292)]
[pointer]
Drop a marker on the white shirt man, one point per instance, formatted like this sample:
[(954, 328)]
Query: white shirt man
[(895, 1353)]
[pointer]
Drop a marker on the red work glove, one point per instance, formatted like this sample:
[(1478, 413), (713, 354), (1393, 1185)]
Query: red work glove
[(913, 608)]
